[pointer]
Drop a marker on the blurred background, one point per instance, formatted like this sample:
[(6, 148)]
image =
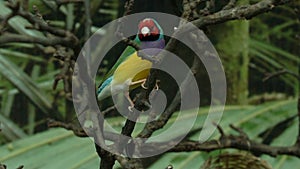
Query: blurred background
[(250, 51)]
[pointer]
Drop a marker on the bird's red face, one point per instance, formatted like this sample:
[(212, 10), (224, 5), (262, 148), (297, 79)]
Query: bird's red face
[(148, 30)]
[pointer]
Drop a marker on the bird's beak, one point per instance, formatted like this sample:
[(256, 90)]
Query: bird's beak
[(145, 31)]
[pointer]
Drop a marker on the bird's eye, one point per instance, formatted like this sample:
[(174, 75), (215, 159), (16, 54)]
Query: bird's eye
[(145, 30)]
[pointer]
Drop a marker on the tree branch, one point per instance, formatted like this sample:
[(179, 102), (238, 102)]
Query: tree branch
[(241, 12), (50, 41), (241, 142), (60, 36), (78, 131)]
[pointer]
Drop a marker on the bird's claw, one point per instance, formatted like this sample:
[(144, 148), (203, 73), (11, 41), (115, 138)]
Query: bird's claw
[(130, 108), (156, 87), (143, 85)]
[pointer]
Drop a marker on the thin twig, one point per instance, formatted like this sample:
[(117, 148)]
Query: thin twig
[(88, 20), (281, 72), (221, 131), (69, 126), (237, 13), (239, 130)]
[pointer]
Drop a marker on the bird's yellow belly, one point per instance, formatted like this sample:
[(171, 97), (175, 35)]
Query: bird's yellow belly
[(131, 70)]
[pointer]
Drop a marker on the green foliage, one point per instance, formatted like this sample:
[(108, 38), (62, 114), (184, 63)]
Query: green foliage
[(27, 74), (274, 46), (252, 119), (25, 84), (48, 148)]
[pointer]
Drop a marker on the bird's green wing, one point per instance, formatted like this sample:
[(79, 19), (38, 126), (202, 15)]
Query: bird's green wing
[(127, 52)]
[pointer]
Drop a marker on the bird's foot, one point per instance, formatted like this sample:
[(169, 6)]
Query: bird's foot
[(156, 85), (143, 85), (130, 108), (155, 88)]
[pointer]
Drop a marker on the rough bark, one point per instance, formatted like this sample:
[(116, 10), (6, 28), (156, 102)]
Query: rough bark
[(231, 41)]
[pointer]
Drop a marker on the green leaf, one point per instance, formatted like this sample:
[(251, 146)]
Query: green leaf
[(257, 44), (252, 119), (25, 84), (56, 148), (10, 129), (20, 55)]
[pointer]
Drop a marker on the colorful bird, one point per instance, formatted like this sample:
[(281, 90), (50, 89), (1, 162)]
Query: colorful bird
[(131, 71)]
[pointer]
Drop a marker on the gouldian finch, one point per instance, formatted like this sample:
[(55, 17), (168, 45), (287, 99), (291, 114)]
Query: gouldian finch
[(131, 71)]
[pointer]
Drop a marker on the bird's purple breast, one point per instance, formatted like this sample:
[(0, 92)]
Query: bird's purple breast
[(153, 47)]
